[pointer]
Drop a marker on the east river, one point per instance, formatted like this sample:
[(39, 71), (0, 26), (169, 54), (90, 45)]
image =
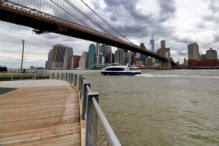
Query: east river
[(161, 108)]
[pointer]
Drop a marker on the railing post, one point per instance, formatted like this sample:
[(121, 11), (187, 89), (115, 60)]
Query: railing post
[(62, 76), (84, 99), (57, 75), (90, 115), (75, 80), (81, 84), (66, 76), (69, 77), (72, 75), (53, 75), (12, 76)]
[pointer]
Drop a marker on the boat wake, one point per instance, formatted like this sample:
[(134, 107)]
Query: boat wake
[(176, 76)]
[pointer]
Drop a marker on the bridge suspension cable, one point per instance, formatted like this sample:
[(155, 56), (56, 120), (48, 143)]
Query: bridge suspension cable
[(105, 21), (87, 17), (70, 14)]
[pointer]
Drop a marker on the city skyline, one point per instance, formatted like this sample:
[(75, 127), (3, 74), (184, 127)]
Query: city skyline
[(178, 23), (88, 59)]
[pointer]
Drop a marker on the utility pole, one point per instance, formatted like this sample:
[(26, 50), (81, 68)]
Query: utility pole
[(22, 57)]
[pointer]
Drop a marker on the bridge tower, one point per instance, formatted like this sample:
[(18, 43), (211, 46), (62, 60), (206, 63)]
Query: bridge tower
[(165, 52)]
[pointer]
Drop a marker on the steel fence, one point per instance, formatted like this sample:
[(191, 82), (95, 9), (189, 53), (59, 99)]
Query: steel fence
[(98, 129)]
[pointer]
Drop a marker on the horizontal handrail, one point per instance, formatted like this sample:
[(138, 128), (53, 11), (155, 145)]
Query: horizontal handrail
[(88, 89)]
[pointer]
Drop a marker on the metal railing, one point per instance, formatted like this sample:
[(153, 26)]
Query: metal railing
[(98, 129)]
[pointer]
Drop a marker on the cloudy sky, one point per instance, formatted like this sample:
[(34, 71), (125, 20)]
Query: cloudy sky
[(179, 22)]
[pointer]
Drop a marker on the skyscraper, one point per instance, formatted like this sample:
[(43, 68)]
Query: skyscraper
[(211, 54), (103, 60), (120, 56), (68, 53), (142, 56), (46, 65), (98, 53), (162, 44), (91, 56), (185, 62), (49, 61), (107, 53), (58, 54), (127, 57), (83, 60), (193, 51), (152, 44), (74, 61), (100, 58), (133, 58)]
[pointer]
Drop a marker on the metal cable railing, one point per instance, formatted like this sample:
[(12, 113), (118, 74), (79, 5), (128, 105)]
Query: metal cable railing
[(98, 135), (98, 129)]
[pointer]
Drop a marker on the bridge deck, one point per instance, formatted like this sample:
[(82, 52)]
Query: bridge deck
[(37, 115)]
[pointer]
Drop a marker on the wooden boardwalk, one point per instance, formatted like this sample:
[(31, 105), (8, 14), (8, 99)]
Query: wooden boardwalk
[(46, 115)]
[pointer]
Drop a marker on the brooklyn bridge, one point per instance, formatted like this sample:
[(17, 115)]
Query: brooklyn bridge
[(74, 19)]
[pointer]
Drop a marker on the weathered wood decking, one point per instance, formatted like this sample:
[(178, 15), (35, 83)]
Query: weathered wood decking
[(47, 115)]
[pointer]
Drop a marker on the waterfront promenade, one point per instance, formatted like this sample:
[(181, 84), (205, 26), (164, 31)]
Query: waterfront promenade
[(39, 112)]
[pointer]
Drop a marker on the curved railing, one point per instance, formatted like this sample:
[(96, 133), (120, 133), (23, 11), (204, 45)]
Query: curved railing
[(98, 129)]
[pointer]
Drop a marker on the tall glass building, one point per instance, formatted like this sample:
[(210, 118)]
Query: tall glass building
[(142, 56), (68, 53), (107, 53), (127, 58), (120, 56), (193, 51), (91, 56), (48, 64), (162, 44), (83, 60), (58, 53), (152, 44), (100, 58)]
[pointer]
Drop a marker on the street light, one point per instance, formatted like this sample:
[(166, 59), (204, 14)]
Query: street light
[(22, 55)]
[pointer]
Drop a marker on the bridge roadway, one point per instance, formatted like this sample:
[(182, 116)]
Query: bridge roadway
[(42, 22), (39, 112)]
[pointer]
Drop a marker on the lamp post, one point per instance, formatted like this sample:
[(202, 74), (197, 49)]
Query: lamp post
[(22, 57)]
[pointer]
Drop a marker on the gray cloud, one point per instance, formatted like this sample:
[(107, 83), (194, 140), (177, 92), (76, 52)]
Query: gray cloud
[(216, 38), (201, 26), (183, 40), (167, 10), (50, 36), (182, 53), (167, 6), (213, 6)]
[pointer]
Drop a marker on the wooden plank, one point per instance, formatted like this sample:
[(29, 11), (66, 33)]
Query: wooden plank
[(40, 116)]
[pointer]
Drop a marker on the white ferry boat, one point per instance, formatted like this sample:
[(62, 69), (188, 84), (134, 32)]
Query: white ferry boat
[(120, 70)]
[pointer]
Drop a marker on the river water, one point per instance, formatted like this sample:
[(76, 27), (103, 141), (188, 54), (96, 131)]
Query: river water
[(161, 108)]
